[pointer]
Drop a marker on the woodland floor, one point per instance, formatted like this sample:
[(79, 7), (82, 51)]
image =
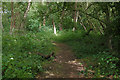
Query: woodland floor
[(64, 66)]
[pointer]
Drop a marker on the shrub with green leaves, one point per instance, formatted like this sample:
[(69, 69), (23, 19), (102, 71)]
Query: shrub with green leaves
[(106, 64), (20, 58)]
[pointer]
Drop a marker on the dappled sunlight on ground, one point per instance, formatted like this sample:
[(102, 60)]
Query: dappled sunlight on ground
[(65, 65)]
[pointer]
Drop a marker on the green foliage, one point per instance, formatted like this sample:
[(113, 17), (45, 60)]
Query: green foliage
[(93, 50), (106, 64), (68, 35), (102, 16), (6, 21), (68, 20), (21, 65), (33, 25), (20, 58)]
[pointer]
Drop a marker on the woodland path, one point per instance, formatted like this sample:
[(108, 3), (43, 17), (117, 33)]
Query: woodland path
[(64, 66)]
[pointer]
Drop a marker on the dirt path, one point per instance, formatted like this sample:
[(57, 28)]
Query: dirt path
[(64, 66)]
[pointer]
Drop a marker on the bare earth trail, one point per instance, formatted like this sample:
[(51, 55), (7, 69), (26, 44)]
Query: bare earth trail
[(64, 66)]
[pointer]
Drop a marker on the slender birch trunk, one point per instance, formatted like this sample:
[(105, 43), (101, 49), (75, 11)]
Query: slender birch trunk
[(54, 28), (25, 14)]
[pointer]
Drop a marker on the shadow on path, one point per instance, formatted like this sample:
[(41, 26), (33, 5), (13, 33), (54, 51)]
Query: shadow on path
[(64, 66)]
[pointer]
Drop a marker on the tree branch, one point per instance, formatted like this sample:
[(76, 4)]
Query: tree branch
[(91, 16)]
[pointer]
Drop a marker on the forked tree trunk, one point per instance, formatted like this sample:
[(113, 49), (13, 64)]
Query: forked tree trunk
[(54, 28)]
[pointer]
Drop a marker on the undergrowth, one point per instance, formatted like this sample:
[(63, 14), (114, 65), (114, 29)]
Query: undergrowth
[(93, 50), (20, 58)]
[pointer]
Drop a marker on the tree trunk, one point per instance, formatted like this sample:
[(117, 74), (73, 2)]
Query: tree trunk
[(3, 9), (12, 14), (108, 27), (28, 7), (14, 21), (82, 23), (1, 26), (87, 4), (44, 21), (75, 16), (61, 20), (107, 12), (40, 26), (110, 42), (25, 14), (54, 28), (83, 26), (17, 20)]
